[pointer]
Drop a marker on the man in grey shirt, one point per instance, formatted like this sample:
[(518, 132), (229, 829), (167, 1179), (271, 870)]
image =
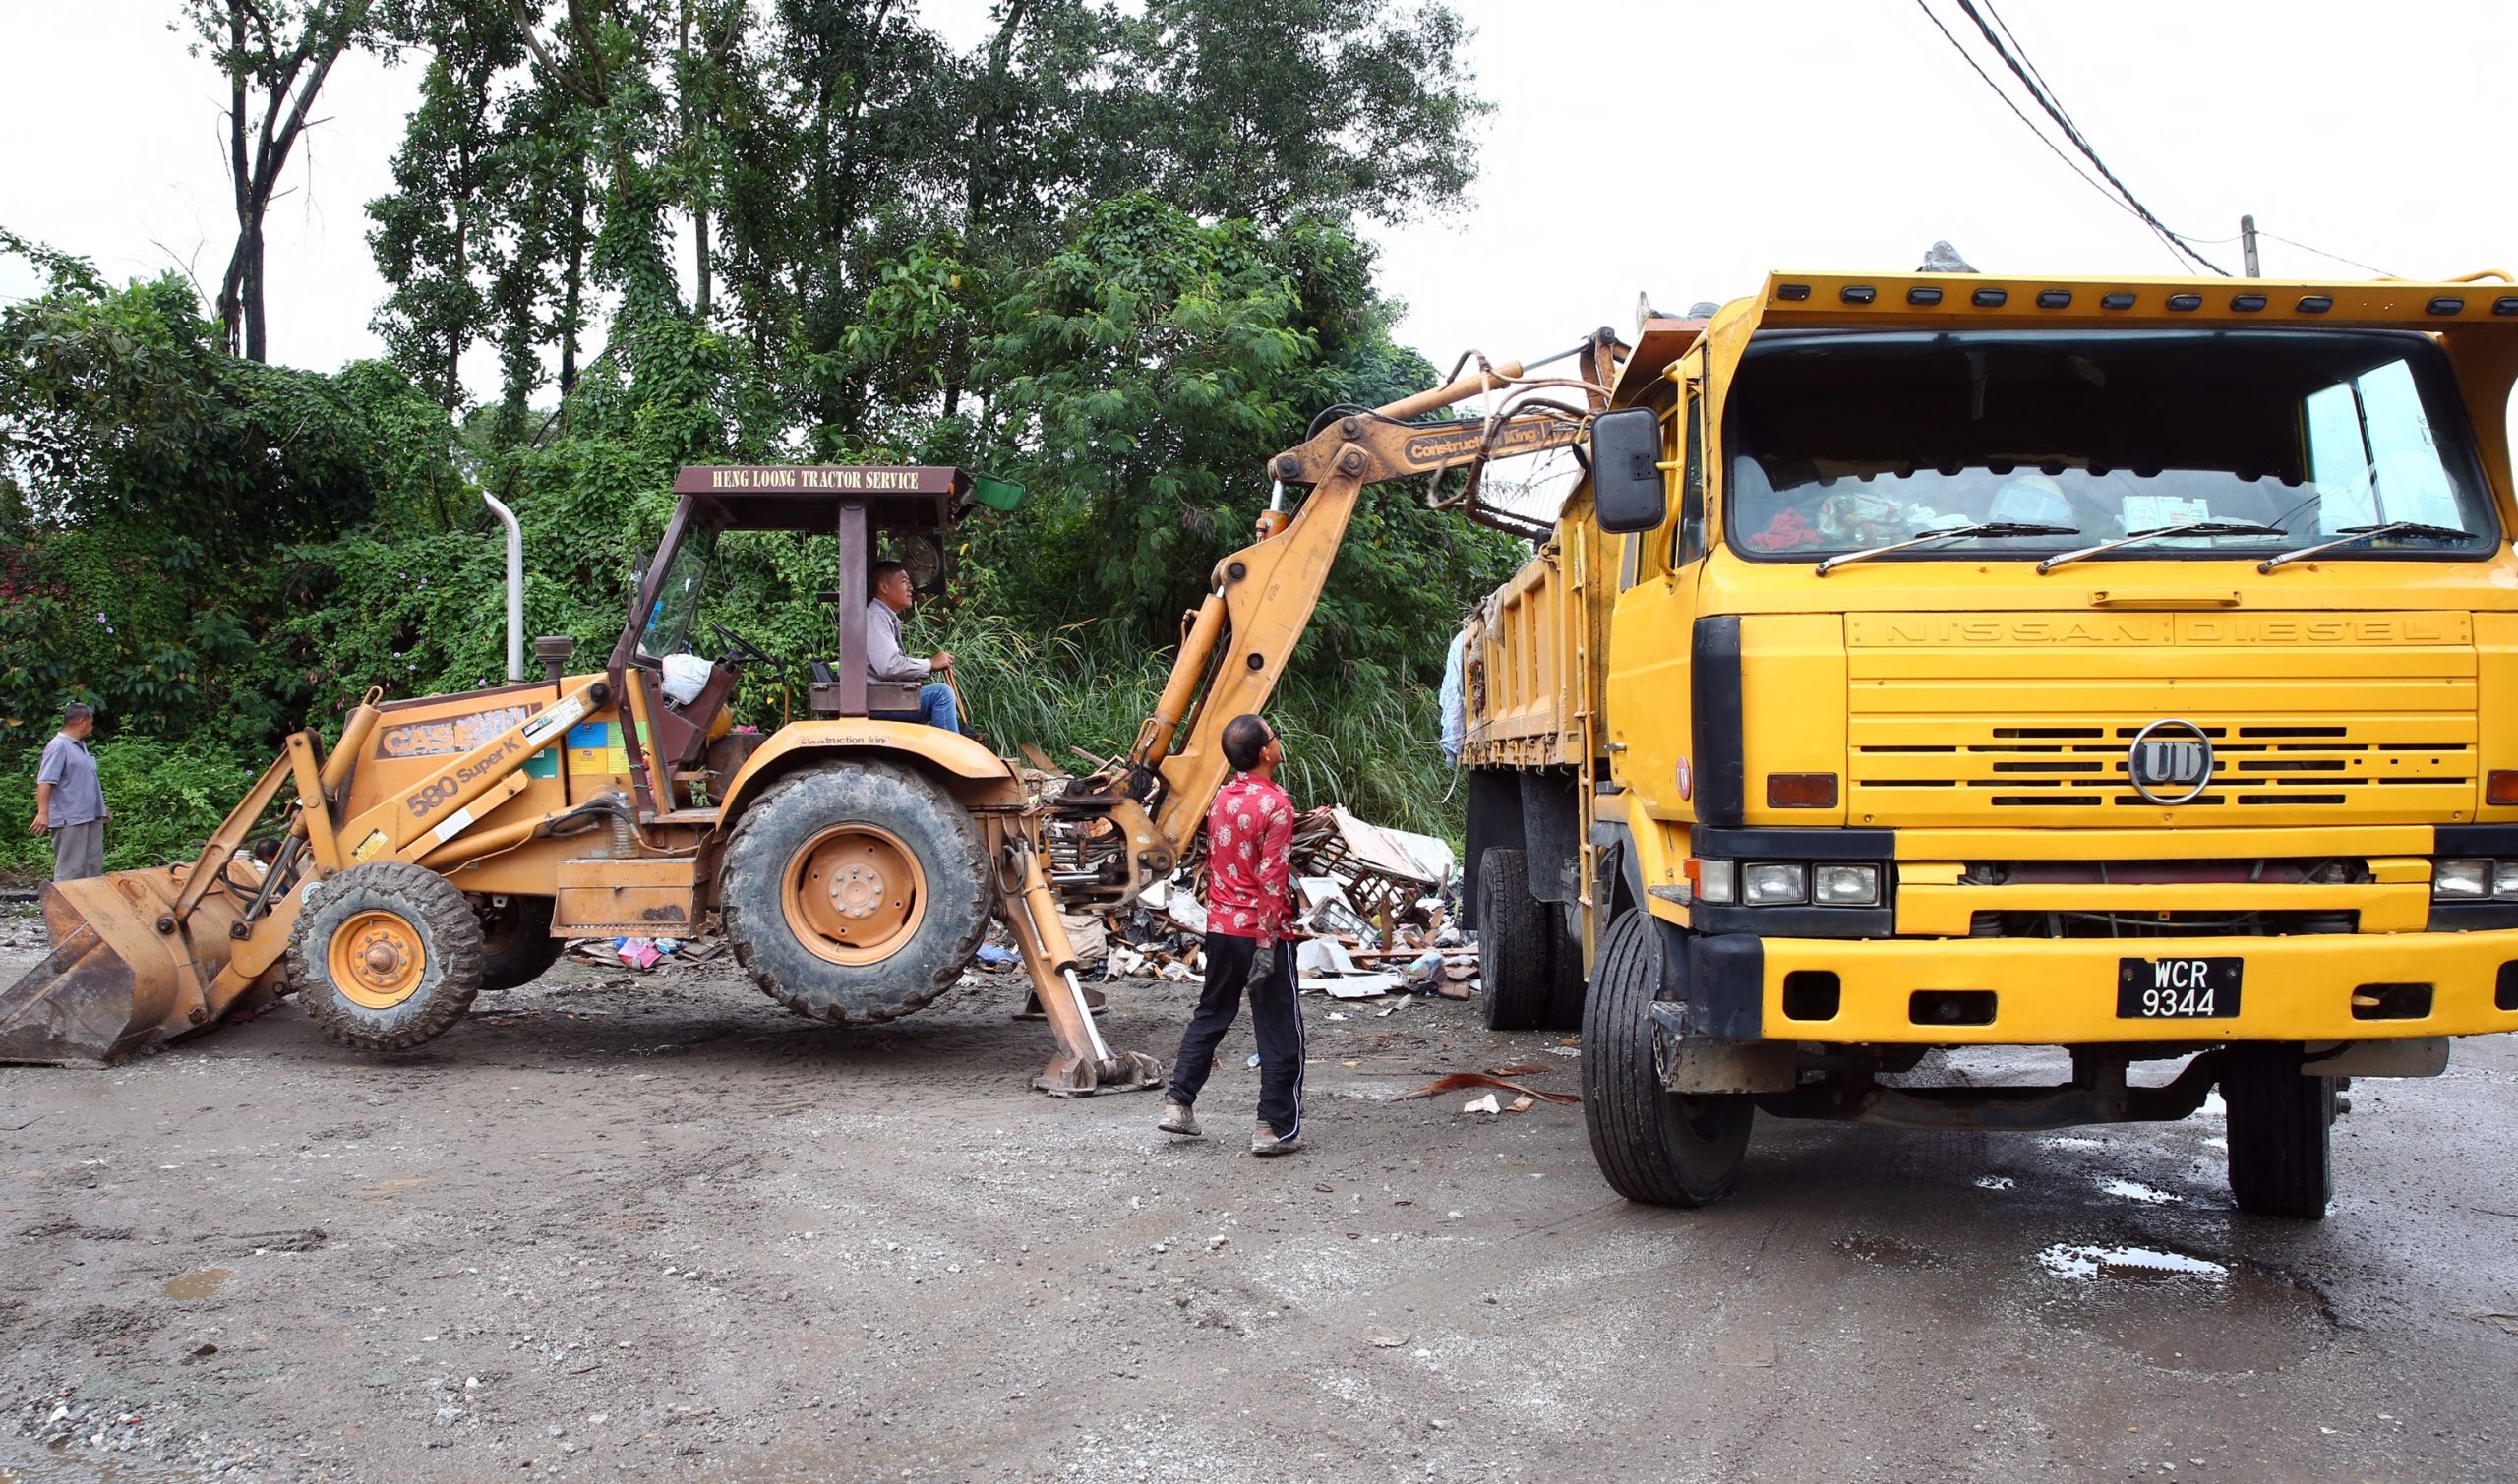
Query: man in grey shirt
[(69, 802), (886, 661)]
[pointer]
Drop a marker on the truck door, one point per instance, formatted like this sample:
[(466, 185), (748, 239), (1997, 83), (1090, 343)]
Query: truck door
[(1649, 695)]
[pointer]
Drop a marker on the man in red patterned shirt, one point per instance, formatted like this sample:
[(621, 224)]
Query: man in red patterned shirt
[(1249, 941)]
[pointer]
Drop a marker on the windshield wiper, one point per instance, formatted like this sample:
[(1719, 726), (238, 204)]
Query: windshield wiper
[(2354, 535), (1954, 533), (2161, 532)]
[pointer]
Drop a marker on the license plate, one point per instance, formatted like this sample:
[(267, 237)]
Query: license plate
[(2178, 988)]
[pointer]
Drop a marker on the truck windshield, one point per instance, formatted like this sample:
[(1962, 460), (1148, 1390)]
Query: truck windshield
[(677, 601), (2267, 439)]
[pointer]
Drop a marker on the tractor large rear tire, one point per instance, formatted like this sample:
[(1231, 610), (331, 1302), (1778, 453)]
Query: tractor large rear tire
[(1515, 943), (386, 956), (1652, 1144), (2280, 1132), (855, 891), (516, 946)]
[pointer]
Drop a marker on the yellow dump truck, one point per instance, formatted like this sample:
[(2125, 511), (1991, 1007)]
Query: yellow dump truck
[(1929, 661)]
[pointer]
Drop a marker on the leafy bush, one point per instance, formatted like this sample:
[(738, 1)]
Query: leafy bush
[(166, 800)]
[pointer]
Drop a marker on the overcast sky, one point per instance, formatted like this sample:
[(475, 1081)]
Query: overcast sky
[(1680, 149)]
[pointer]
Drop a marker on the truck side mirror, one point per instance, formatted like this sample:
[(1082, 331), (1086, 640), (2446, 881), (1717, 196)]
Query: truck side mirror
[(1628, 492)]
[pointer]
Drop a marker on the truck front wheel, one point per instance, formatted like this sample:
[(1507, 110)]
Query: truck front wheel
[(855, 891), (2280, 1132), (1653, 1145)]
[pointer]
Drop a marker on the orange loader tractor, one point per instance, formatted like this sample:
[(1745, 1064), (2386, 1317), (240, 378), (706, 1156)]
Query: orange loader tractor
[(446, 845)]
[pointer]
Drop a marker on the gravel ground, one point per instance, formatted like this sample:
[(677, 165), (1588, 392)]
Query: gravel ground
[(622, 1223)]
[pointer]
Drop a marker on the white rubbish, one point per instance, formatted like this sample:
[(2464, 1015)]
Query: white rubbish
[(1177, 972), (1396, 852), (685, 676), (1318, 955), (1485, 1105), (1426, 971), (1123, 962), (1353, 985)]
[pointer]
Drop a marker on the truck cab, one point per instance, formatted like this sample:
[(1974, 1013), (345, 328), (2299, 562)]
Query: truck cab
[(1937, 660)]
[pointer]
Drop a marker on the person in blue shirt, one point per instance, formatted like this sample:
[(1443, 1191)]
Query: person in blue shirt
[(69, 804)]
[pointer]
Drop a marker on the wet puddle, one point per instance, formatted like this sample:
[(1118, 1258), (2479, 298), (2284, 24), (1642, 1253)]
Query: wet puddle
[(2135, 1190), (2141, 1264), (1863, 1247), (196, 1285), (2186, 1313)]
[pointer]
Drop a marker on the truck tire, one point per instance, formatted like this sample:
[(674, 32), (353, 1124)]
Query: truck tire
[(855, 891), (1652, 1144), (1514, 940), (2280, 1132), (386, 956), (1565, 981), (516, 946)]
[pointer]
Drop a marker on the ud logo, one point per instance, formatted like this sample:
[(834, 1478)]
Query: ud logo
[(2171, 761)]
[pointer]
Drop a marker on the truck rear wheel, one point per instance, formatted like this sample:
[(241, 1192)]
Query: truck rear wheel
[(2280, 1132), (855, 891), (1514, 944), (516, 946), (1565, 980), (1653, 1145), (387, 957)]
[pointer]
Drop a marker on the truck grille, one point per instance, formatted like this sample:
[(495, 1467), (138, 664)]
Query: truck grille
[(2419, 763)]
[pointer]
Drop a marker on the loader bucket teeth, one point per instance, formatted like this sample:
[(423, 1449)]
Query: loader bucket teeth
[(113, 985), (1122, 1072)]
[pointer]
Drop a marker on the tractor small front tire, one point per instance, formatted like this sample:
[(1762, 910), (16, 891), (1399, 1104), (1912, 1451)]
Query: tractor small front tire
[(1652, 1144), (386, 956), (855, 891), (2280, 1132), (516, 946), (1515, 942)]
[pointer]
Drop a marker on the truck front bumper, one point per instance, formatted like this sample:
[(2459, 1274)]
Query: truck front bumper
[(2018, 991)]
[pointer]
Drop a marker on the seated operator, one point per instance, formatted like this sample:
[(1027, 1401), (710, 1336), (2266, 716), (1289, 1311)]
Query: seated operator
[(884, 661)]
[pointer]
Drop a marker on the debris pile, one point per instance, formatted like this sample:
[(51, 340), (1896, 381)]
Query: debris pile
[(1376, 903)]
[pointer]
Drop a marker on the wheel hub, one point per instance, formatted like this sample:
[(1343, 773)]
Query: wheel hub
[(854, 894), (377, 958)]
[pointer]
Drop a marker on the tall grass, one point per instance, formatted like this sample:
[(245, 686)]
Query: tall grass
[(1088, 687)]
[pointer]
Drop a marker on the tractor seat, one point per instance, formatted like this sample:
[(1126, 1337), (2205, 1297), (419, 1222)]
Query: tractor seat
[(880, 695)]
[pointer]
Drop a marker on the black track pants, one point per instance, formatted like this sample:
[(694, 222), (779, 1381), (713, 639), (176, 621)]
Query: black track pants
[(1231, 963)]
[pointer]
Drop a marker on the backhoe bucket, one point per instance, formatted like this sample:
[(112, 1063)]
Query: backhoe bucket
[(122, 976)]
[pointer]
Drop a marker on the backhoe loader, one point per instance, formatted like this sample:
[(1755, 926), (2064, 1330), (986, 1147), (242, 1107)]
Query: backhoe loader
[(449, 844)]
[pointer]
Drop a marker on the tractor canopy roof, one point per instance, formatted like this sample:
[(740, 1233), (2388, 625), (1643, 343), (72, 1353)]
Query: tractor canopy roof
[(810, 497)]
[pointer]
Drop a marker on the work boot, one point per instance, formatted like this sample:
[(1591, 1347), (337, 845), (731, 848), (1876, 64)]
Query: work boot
[(1265, 1141), (1180, 1118)]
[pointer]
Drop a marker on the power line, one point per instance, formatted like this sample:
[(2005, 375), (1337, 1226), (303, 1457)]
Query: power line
[(2055, 111), (2322, 253), (2069, 163)]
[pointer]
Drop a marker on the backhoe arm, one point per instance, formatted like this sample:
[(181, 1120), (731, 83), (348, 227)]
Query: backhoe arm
[(1262, 597)]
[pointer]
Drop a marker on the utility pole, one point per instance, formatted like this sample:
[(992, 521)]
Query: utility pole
[(2247, 244)]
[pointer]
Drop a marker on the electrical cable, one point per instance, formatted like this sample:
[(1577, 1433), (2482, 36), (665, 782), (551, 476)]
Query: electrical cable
[(2322, 253), (2025, 122), (2055, 110)]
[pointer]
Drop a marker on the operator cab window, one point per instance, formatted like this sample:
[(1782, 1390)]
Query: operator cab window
[(1845, 442), (676, 604)]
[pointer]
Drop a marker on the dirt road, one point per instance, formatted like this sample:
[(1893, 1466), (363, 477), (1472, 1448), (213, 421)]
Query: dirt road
[(656, 1226)]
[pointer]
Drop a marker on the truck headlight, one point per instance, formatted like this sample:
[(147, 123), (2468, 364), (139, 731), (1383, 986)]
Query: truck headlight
[(2461, 879), (2504, 879), (1774, 884), (1834, 885)]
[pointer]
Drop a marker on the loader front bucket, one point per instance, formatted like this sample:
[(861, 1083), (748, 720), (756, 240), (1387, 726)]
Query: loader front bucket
[(123, 974)]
